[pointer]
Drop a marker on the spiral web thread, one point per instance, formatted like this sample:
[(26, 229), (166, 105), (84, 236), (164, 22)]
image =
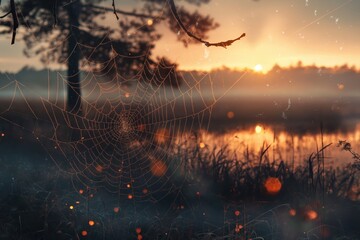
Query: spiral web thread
[(125, 135)]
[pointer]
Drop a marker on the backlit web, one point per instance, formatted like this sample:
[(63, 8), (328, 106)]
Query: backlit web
[(135, 136), (129, 133)]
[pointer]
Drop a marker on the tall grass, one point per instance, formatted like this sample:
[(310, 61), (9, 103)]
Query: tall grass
[(243, 176)]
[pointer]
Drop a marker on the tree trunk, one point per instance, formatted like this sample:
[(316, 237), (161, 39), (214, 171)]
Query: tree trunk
[(74, 88)]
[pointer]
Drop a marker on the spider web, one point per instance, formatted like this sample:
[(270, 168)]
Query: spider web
[(128, 138), (128, 134)]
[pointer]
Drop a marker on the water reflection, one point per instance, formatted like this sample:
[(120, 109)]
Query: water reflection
[(292, 148)]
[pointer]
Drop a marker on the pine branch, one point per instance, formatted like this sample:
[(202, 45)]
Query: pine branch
[(223, 44)]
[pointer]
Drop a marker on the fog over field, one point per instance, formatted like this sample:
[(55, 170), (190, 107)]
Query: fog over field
[(293, 92)]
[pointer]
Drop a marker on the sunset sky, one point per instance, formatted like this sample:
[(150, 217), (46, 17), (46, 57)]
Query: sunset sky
[(321, 32)]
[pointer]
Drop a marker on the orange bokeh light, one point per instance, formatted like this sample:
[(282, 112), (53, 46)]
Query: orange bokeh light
[(272, 185), (162, 136), (311, 215), (341, 86), (91, 223), (150, 22), (158, 168), (84, 233), (292, 212), (238, 228), (141, 127), (116, 209), (99, 168), (230, 115)]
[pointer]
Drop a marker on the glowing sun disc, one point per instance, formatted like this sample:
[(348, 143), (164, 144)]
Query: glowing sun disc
[(258, 68)]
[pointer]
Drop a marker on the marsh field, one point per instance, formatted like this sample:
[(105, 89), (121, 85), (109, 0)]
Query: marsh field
[(260, 167)]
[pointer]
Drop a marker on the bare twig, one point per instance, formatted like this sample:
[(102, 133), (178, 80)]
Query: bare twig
[(15, 19), (5, 14), (54, 13), (223, 44), (132, 14), (114, 10)]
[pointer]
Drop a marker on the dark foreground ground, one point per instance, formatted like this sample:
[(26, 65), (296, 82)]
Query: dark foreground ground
[(39, 201)]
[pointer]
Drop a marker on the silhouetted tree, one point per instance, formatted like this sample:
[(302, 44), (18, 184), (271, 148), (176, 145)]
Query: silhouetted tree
[(67, 32)]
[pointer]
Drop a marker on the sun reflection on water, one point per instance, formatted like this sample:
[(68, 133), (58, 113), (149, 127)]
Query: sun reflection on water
[(290, 148), (258, 129)]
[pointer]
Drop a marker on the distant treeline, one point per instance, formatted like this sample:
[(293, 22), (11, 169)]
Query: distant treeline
[(296, 80)]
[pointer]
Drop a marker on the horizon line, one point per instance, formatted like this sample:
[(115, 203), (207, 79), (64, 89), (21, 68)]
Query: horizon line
[(298, 65)]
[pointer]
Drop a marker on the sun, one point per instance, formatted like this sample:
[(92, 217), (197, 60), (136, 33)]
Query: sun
[(258, 68)]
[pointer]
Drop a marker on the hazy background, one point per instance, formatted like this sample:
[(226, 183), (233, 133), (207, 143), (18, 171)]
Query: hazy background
[(297, 67), (278, 32)]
